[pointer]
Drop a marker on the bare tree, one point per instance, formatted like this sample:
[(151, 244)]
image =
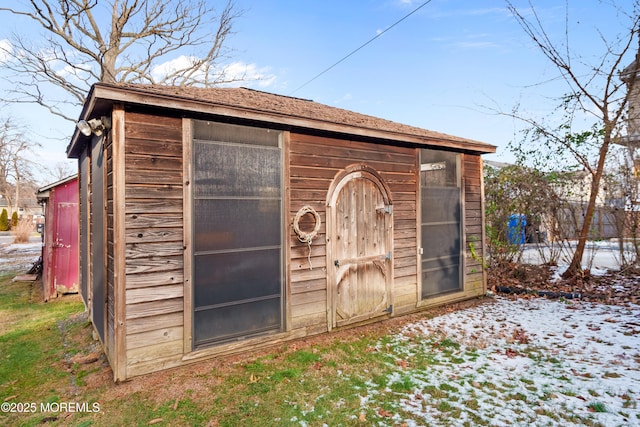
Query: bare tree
[(15, 168), (596, 90), (173, 42), (60, 171)]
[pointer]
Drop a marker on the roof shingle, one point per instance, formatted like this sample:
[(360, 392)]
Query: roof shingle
[(273, 107)]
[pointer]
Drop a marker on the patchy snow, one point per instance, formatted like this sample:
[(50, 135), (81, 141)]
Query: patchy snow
[(19, 257), (518, 362), (598, 256), (595, 271)]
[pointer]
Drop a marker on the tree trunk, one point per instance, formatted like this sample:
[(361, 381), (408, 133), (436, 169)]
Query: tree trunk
[(575, 267), (17, 195)]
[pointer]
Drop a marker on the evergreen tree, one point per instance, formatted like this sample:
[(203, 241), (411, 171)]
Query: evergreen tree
[(14, 219), (4, 220)]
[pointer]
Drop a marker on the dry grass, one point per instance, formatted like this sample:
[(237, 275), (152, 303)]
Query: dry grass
[(22, 231)]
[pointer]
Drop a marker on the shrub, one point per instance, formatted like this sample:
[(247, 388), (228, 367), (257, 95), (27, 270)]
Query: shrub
[(14, 219), (518, 190), (22, 231), (4, 220)]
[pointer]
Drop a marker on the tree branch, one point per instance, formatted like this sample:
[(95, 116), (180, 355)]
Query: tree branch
[(142, 38)]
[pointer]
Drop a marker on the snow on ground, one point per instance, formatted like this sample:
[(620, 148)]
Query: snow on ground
[(19, 257), (519, 362), (598, 257)]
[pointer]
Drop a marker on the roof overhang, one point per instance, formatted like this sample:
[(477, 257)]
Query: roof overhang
[(43, 192), (102, 97)]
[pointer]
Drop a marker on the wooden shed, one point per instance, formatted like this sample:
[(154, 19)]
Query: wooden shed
[(60, 241), (221, 220)]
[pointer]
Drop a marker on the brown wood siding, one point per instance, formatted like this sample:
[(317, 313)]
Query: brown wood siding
[(314, 162), (154, 242), (91, 238), (405, 197), (473, 274), (83, 266), (109, 249), (155, 237), (98, 281)]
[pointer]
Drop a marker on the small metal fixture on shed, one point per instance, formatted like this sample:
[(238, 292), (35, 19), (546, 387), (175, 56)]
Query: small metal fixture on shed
[(95, 126), (433, 166)]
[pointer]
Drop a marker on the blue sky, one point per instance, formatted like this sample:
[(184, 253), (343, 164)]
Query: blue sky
[(443, 68)]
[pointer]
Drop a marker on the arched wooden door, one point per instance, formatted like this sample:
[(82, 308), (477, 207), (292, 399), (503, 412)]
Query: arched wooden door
[(359, 247)]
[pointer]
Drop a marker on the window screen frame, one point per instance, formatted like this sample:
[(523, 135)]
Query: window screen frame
[(190, 229), (435, 297)]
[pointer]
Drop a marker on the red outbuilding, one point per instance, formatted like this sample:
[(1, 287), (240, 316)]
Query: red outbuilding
[(60, 249)]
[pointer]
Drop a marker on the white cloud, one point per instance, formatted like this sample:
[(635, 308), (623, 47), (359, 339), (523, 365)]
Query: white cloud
[(78, 71), (345, 98), (6, 49), (468, 41), (237, 73), (249, 73), (166, 68), (475, 45), (500, 12)]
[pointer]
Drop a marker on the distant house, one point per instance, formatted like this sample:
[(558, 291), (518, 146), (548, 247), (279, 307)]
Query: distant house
[(632, 139), (28, 208), (61, 237), (217, 221), (572, 189)]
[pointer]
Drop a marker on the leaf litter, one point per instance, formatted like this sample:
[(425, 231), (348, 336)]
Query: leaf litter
[(518, 361)]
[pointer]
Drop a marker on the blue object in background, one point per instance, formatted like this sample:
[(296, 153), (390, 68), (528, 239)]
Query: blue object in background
[(515, 229)]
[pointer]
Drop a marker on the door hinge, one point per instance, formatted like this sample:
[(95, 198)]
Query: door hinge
[(389, 309), (387, 209), (388, 255)]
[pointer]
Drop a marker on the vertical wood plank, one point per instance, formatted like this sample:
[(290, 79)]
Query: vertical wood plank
[(483, 230), (187, 199), (418, 227), (102, 263), (84, 164), (463, 221), (331, 270), (384, 224), (120, 325), (286, 206)]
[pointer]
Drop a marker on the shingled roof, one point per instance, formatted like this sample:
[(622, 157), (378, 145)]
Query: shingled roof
[(254, 105)]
